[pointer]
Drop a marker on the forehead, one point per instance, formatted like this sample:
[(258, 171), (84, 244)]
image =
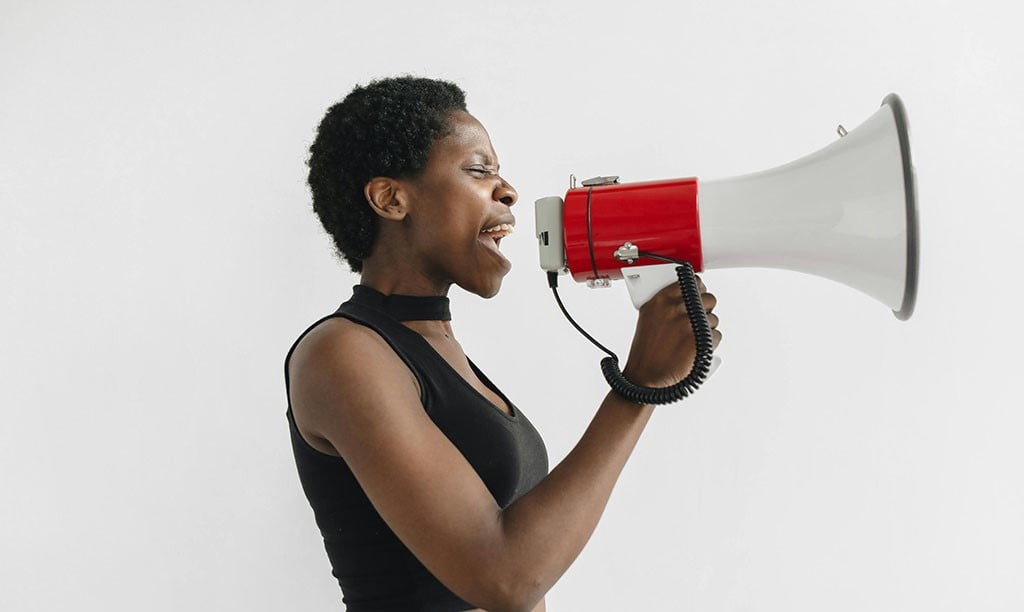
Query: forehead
[(467, 136)]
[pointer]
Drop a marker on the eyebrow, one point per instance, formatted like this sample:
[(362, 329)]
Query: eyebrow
[(487, 158)]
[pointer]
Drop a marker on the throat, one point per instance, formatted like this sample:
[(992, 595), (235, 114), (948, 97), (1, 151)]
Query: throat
[(440, 331)]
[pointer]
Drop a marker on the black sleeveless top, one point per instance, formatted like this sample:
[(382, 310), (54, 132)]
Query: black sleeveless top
[(375, 570)]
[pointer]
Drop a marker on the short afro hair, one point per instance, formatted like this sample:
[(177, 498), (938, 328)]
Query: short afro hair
[(385, 128)]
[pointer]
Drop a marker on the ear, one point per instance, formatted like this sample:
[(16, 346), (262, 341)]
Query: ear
[(386, 198)]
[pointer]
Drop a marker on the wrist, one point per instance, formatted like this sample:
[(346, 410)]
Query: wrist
[(645, 378)]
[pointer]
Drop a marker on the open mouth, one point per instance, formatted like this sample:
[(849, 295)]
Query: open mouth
[(498, 232)]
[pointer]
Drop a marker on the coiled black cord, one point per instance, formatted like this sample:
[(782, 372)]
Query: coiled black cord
[(701, 332)]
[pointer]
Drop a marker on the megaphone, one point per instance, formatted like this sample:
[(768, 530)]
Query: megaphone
[(847, 212)]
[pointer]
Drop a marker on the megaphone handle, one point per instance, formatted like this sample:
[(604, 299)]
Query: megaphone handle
[(701, 363)]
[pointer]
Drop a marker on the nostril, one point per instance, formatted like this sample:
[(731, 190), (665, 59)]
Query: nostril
[(505, 193)]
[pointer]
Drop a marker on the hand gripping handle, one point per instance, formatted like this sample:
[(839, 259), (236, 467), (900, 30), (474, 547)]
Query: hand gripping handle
[(701, 363)]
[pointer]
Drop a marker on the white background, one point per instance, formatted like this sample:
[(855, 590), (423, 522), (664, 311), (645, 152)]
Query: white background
[(158, 256)]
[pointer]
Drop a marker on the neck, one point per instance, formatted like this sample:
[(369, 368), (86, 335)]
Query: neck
[(389, 271), (394, 278), (403, 282), (432, 329)]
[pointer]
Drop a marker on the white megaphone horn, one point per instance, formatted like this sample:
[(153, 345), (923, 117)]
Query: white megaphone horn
[(847, 212)]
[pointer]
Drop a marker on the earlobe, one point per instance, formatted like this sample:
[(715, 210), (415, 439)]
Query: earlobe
[(382, 193)]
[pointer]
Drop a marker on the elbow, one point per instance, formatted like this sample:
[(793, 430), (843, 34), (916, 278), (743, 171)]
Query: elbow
[(503, 602), (508, 592)]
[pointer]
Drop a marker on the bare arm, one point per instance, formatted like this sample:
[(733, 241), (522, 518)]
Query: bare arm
[(352, 390)]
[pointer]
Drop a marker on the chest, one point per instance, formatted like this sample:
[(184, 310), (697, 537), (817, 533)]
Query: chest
[(452, 353), (495, 438)]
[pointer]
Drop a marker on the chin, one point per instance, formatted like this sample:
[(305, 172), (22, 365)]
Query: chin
[(490, 290), (489, 294), (485, 288)]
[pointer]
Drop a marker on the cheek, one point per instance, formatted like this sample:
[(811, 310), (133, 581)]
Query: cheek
[(447, 233), (459, 222), (454, 218)]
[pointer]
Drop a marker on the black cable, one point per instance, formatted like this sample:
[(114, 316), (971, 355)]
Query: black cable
[(553, 283), (701, 332)]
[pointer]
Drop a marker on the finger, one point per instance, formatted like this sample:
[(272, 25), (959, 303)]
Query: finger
[(716, 338), (700, 285), (709, 301), (670, 293), (712, 320)]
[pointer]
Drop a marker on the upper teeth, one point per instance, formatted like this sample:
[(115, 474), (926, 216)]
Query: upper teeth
[(504, 227)]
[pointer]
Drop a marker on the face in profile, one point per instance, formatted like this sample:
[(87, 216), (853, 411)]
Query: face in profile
[(458, 210)]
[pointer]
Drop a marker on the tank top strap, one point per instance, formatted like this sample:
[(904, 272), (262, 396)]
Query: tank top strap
[(410, 347), (407, 344)]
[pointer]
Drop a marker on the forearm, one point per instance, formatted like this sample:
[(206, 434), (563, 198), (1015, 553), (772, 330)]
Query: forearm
[(546, 529)]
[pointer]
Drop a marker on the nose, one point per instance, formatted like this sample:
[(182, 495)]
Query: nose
[(505, 193)]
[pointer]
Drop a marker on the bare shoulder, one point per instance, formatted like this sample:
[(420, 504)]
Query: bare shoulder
[(339, 369), (335, 342)]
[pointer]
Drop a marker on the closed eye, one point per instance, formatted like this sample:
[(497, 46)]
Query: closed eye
[(481, 170)]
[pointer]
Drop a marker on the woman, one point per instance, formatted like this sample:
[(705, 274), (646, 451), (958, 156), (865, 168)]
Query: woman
[(430, 487)]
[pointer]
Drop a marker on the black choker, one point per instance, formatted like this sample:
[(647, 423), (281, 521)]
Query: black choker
[(404, 307)]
